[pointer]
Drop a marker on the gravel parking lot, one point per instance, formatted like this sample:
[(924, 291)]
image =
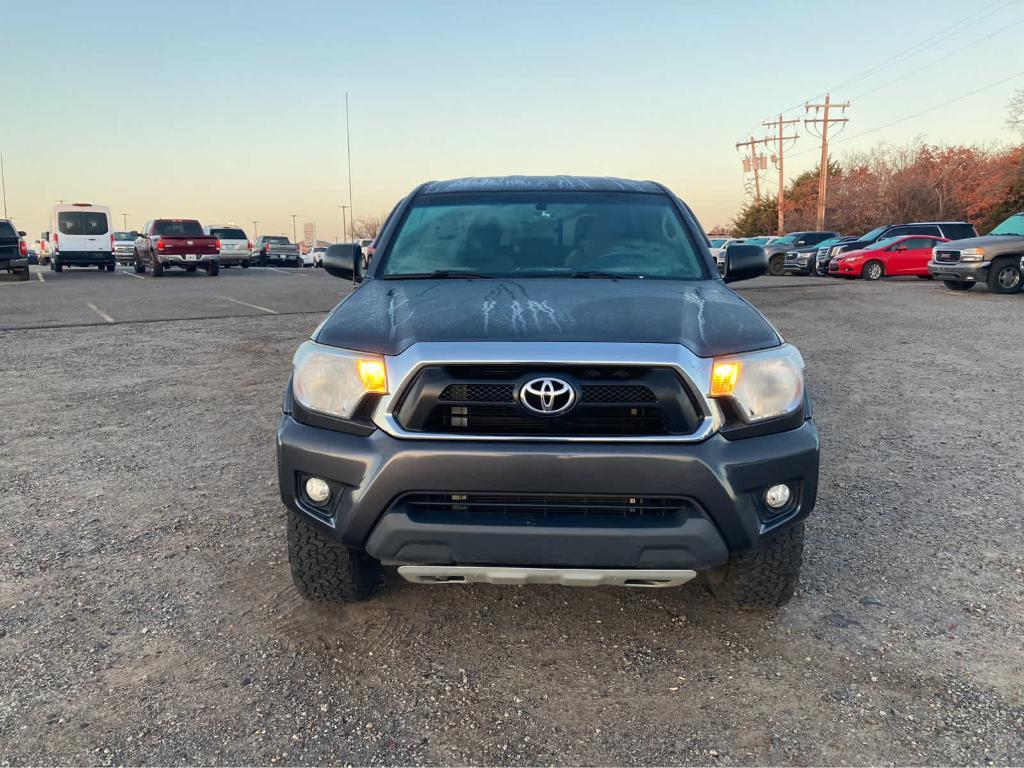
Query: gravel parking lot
[(147, 613)]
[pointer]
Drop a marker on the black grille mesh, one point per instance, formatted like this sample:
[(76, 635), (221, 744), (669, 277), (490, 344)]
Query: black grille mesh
[(505, 393), (538, 509)]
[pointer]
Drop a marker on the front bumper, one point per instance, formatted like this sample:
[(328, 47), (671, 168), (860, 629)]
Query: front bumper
[(723, 481), (965, 272), (802, 263), (124, 256)]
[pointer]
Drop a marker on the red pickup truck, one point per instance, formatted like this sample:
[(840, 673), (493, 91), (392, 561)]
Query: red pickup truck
[(176, 243)]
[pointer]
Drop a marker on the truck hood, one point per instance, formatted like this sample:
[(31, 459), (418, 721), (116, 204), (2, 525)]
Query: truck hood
[(980, 242), (388, 316)]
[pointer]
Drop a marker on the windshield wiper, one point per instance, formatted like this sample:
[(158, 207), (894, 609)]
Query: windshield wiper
[(438, 274), (607, 275)]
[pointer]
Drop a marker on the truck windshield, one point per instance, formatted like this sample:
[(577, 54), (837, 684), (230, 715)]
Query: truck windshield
[(1012, 226), (122, 236), (182, 228), (544, 234)]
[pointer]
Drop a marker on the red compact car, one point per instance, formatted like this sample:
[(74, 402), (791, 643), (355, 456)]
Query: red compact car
[(906, 255)]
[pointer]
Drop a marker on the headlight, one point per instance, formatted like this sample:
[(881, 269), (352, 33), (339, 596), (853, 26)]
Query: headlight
[(761, 385), (972, 254), (332, 381)]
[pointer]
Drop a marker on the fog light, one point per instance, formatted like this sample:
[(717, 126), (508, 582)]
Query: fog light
[(777, 496), (317, 490)]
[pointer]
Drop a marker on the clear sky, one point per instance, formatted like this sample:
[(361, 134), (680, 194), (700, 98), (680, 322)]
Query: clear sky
[(235, 111)]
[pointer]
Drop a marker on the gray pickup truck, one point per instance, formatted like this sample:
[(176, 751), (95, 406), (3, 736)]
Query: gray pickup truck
[(275, 249), (995, 259), (546, 380)]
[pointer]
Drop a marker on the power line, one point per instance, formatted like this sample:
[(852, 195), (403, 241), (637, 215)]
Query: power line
[(943, 57), (970, 19)]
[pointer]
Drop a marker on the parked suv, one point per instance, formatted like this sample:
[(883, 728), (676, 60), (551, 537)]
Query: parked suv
[(995, 259), (234, 245), (951, 230), (776, 249), (802, 260), (544, 379)]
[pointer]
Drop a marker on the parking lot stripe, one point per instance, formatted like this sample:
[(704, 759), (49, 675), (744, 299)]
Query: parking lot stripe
[(130, 274), (293, 273), (254, 306), (100, 312), (40, 276)]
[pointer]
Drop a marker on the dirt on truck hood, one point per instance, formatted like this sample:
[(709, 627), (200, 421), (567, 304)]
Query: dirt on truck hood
[(388, 316)]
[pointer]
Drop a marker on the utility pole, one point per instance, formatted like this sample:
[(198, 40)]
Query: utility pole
[(812, 124), (344, 225), (3, 183), (348, 153), (124, 218), (780, 143), (754, 161), (255, 229), (294, 233)]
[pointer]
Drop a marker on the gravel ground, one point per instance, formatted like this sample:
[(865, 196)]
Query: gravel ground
[(147, 613)]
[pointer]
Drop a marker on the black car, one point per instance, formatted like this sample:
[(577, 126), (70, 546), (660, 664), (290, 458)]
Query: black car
[(951, 230), (802, 261), (545, 379), (776, 250), (13, 252)]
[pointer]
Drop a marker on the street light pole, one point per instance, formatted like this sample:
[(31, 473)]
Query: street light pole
[(255, 229), (348, 152), (124, 218), (344, 225), (3, 183), (294, 231)]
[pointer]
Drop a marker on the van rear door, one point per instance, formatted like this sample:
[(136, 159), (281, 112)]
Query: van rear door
[(83, 231)]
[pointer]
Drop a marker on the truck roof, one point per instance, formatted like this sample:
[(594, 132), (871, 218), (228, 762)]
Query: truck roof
[(539, 184)]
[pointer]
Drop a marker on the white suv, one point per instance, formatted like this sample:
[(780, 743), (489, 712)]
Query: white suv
[(234, 245)]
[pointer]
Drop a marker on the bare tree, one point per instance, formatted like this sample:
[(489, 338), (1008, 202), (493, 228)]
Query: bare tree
[(367, 228), (1015, 120)]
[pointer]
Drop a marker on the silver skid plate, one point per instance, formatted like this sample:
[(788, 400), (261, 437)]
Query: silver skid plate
[(566, 577)]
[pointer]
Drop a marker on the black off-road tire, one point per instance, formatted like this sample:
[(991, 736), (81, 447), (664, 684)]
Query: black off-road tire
[(958, 285), (213, 269), (777, 265), (140, 267), (873, 270), (763, 578), (158, 268), (1004, 275), (22, 275), (325, 571)]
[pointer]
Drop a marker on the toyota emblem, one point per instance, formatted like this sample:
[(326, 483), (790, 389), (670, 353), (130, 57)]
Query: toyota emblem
[(547, 396)]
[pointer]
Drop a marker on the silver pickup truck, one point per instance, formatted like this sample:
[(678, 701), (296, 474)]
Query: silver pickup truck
[(996, 259)]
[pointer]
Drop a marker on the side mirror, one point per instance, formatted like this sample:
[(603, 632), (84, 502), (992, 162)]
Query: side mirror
[(344, 260), (21, 233), (743, 262)]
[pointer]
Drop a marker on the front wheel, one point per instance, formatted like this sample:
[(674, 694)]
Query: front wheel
[(777, 266), (325, 571), (140, 267), (873, 270), (1004, 276), (762, 578)]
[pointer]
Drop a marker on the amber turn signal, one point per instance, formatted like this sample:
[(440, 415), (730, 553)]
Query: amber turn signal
[(373, 375), (723, 378)]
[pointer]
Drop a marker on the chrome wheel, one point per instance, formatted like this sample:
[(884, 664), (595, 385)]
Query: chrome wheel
[(1009, 277)]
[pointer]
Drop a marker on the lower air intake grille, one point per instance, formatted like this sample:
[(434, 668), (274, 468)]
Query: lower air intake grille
[(538, 509)]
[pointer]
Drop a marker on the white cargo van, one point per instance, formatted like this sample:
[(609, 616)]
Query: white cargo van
[(80, 235)]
